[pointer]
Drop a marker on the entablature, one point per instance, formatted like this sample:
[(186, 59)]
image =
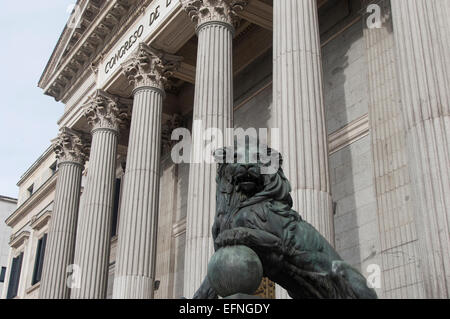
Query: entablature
[(100, 22)]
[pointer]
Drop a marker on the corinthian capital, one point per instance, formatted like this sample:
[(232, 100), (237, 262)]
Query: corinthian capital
[(150, 67), (71, 146), (105, 111), (202, 11)]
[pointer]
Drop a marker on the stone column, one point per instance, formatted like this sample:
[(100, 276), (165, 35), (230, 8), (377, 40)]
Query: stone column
[(71, 150), (421, 30), (147, 71), (397, 229), (299, 110), (104, 114), (213, 106)]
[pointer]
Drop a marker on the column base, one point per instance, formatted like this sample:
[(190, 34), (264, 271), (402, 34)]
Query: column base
[(133, 287)]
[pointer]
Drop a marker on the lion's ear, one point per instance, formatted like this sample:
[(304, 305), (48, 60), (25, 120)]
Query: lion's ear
[(220, 155), (277, 155)]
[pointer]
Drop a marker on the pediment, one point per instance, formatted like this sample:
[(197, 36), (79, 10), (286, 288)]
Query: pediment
[(88, 31)]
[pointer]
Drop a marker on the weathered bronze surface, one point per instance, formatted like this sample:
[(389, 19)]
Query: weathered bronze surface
[(235, 270), (255, 210)]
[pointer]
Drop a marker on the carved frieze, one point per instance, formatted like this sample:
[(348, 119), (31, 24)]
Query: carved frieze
[(150, 67)]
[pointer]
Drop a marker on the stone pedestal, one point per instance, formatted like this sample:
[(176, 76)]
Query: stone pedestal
[(71, 150), (104, 114)]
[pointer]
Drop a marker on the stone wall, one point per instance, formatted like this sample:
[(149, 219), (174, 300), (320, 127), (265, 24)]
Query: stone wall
[(346, 100), (351, 167), (356, 223), (345, 78), (6, 208)]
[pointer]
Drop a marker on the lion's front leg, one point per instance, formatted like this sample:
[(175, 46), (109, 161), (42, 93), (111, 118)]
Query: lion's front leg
[(247, 237), (205, 291)]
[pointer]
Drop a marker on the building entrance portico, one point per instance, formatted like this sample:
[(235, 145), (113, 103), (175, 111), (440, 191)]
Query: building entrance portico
[(130, 221)]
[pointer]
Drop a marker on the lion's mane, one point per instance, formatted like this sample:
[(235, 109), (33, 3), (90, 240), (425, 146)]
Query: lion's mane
[(275, 194)]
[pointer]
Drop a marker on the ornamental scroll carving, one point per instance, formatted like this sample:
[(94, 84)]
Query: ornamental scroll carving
[(105, 111), (149, 67), (71, 146), (203, 11)]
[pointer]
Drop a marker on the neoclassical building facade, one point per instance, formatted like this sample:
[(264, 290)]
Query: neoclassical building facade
[(359, 93)]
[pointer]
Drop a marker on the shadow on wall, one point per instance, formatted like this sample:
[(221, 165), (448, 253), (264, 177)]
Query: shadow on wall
[(346, 100)]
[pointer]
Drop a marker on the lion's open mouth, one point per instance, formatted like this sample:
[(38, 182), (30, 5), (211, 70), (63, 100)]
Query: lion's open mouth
[(247, 182)]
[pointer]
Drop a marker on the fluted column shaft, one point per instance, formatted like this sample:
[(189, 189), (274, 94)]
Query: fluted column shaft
[(213, 106), (422, 35), (94, 231), (62, 233), (135, 266), (393, 188), (148, 71), (299, 110), (95, 219)]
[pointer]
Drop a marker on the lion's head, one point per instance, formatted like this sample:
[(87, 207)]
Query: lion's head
[(248, 174)]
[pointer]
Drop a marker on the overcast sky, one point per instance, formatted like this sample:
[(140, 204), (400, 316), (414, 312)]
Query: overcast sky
[(29, 31)]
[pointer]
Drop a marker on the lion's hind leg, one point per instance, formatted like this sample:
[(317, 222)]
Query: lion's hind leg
[(321, 275), (356, 281)]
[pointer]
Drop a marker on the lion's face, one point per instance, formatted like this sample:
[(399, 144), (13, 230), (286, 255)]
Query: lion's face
[(245, 169), (246, 178)]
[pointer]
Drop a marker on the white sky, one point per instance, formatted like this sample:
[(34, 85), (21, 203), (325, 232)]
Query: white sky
[(29, 31)]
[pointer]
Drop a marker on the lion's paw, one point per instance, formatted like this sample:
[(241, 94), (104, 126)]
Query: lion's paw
[(231, 237)]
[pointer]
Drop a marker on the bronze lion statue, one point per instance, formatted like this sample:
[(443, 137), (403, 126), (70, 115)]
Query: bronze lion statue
[(255, 209)]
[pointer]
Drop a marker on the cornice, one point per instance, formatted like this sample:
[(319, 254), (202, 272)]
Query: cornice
[(128, 22), (36, 164), (76, 105), (17, 240), (70, 37), (108, 23), (8, 199), (31, 202), (39, 221)]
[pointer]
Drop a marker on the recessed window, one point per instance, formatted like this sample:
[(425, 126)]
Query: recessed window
[(3, 274), (30, 190), (39, 260), (14, 277), (115, 215), (54, 168)]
